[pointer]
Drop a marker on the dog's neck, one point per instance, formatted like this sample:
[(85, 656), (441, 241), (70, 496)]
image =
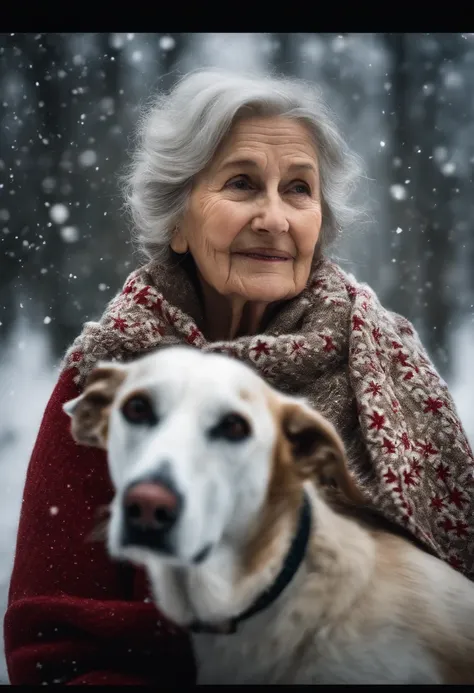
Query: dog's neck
[(211, 595), (291, 563)]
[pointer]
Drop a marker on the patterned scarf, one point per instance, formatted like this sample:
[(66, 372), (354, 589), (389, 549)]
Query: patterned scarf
[(362, 366)]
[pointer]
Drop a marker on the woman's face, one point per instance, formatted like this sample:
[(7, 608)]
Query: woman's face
[(254, 214)]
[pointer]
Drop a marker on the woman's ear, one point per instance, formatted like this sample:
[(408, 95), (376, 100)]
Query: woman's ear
[(179, 243)]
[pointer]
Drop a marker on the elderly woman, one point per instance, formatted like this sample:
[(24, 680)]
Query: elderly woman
[(237, 187)]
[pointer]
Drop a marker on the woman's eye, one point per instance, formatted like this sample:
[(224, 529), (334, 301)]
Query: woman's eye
[(301, 188), (239, 184)]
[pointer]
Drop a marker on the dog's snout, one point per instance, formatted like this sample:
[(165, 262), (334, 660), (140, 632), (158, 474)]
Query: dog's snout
[(151, 505)]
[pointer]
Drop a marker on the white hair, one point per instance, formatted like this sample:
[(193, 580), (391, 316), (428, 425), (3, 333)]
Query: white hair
[(180, 131)]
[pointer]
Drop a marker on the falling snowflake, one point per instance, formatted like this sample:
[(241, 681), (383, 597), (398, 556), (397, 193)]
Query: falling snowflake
[(398, 192), (59, 213), (448, 168), (167, 43), (69, 234), (87, 158)]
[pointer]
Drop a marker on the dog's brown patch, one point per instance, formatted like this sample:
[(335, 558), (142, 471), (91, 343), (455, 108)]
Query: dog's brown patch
[(307, 446), (90, 418)]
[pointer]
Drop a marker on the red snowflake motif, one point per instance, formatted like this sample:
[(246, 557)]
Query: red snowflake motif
[(365, 306), (389, 446), (408, 376), (456, 498), (378, 420), (437, 503), (329, 345), (119, 324), (426, 449), (357, 323), (390, 477), (194, 334), (406, 441), (297, 346), (373, 389), (352, 291), (76, 356), (461, 528), (376, 334), (129, 288), (337, 302), (142, 297), (416, 468), (395, 405), (260, 348), (397, 345), (447, 525), (433, 405), (442, 472), (409, 479), (402, 358)]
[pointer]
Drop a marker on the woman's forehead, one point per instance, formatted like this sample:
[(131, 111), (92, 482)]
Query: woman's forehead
[(248, 137)]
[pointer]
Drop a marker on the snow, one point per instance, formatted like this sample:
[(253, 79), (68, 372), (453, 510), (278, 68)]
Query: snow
[(59, 213), (448, 168), (398, 192), (69, 234), (167, 43), (87, 158)]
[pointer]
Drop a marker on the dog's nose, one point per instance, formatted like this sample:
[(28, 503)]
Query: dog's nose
[(151, 506)]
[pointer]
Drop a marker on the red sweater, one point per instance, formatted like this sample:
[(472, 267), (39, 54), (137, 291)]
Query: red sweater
[(75, 616)]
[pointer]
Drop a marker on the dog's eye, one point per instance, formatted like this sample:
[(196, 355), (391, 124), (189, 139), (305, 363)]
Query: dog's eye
[(138, 410), (232, 427)]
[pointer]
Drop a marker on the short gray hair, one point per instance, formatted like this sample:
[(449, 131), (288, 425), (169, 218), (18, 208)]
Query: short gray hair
[(179, 132)]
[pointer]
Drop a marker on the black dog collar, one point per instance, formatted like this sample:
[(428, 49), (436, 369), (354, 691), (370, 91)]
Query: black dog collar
[(291, 564)]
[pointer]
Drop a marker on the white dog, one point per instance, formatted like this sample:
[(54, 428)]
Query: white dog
[(219, 484)]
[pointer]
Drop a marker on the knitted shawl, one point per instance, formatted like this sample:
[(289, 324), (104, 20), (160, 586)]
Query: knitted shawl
[(361, 365)]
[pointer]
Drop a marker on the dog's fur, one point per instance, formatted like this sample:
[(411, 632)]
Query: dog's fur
[(365, 606)]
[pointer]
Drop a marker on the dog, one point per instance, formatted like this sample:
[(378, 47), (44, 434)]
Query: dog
[(220, 495)]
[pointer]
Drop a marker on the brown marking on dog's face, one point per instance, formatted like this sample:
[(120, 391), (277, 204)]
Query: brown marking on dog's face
[(307, 446), (90, 415)]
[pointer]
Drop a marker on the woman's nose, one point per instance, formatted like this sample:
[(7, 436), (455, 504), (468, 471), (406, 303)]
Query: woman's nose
[(271, 217)]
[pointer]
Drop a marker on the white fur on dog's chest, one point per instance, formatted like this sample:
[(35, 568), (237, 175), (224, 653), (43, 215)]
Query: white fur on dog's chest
[(254, 655), (250, 655)]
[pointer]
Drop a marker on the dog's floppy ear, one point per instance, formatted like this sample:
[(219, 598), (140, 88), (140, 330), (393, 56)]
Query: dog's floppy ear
[(90, 411), (317, 449)]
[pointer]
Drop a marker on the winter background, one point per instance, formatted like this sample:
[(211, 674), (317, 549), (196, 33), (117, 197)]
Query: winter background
[(68, 105)]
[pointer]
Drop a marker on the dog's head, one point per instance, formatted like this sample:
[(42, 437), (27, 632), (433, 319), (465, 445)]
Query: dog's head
[(202, 452)]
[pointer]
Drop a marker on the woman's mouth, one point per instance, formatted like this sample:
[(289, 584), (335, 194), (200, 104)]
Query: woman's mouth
[(265, 255)]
